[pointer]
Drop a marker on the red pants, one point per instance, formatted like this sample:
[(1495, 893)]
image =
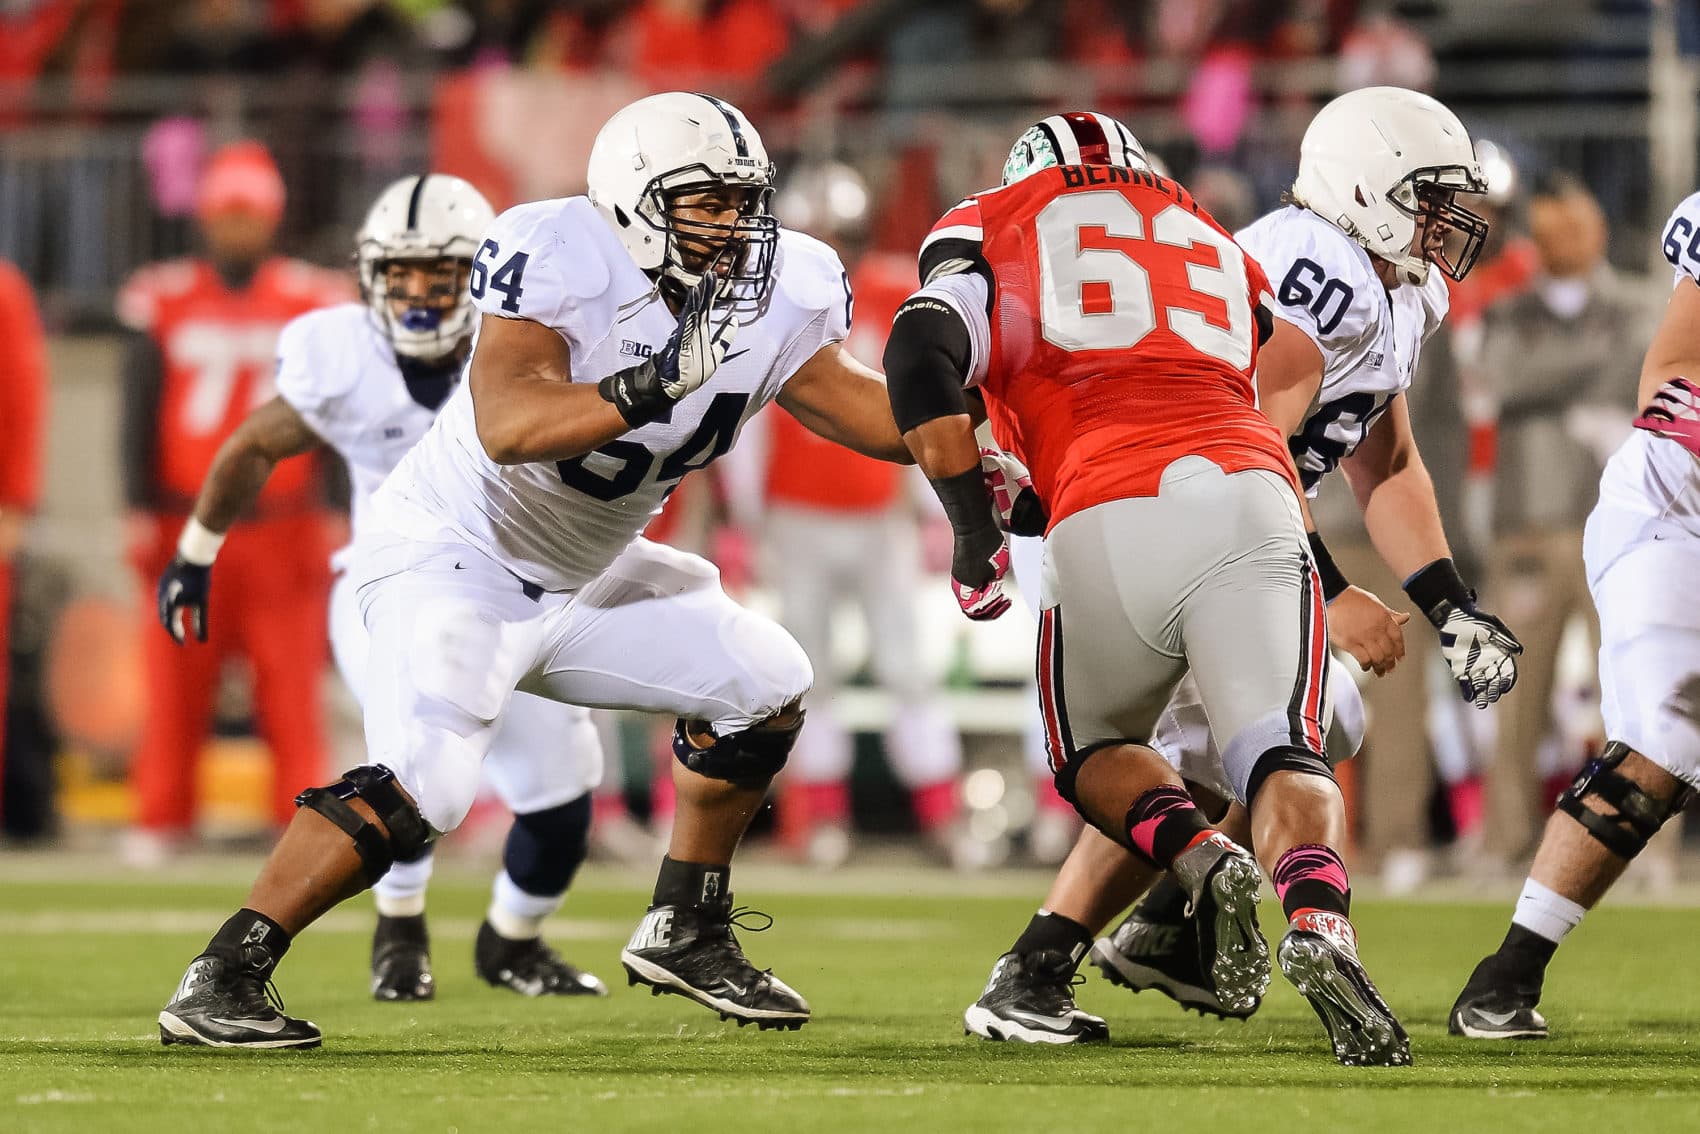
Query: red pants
[(269, 590)]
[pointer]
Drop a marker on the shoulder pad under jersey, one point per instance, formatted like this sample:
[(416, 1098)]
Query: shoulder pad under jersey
[(1681, 241), (1321, 279), (543, 261)]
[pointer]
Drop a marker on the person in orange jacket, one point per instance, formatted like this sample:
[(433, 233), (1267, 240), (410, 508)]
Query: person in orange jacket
[(201, 357)]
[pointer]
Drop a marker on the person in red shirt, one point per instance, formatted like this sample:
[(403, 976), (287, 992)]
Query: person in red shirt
[(1111, 328), (23, 409), (201, 357), (825, 515)]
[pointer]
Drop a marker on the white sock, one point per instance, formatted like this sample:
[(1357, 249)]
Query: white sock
[(401, 891), (515, 914), (1545, 912)]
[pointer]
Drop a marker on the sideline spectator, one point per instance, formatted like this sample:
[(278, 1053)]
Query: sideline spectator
[(201, 359), (1563, 357)]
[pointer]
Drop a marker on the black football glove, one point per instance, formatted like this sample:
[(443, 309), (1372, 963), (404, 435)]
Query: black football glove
[(183, 592)]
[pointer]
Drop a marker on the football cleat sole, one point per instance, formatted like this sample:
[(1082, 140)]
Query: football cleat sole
[(659, 980), (1240, 967), (1124, 972), (986, 1024), (174, 1030), (1361, 1028)]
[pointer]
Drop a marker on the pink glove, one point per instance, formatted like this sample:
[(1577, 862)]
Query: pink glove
[(1013, 497), (988, 600), (1674, 414)]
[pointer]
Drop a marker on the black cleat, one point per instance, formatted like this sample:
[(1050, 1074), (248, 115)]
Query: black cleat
[(1498, 1003), (1319, 955), (1030, 999), (1144, 954), (401, 960), (529, 967), (691, 951), (227, 1000)]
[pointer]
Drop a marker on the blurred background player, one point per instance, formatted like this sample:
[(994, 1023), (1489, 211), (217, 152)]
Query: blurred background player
[(23, 415), (836, 525), (1642, 555), (366, 380), (1561, 380), (201, 358)]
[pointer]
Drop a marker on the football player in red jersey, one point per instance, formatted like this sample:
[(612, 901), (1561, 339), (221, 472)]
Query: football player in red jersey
[(1112, 328), (203, 357)]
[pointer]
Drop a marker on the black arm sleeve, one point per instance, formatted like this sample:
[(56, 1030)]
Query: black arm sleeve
[(1265, 320), (143, 375), (926, 362)]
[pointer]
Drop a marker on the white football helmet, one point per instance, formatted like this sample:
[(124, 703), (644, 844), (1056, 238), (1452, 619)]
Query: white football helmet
[(1077, 138), (667, 145), (1374, 161), (422, 217)]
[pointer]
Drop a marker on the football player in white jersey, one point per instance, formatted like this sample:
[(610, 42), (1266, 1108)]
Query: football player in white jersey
[(366, 380), (626, 337), (1373, 210), (1642, 552)]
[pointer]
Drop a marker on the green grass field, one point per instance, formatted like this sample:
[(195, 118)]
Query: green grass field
[(888, 963)]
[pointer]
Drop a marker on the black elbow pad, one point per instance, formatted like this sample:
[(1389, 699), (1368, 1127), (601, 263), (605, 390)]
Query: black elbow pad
[(1265, 320), (926, 362)]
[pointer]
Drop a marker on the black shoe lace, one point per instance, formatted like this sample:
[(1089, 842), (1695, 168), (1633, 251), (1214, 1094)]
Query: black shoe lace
[(274, 997), (749, 922)]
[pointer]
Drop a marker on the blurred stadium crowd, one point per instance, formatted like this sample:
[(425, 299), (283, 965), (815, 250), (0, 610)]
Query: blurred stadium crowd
[(239, 132)]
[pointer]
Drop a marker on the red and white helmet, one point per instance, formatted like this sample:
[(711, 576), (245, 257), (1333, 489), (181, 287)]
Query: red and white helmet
[(1080, 137)]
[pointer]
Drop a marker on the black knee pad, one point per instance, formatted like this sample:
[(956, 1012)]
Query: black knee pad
[(405, 834), (748, 759), (1064, 776), (1636, 816), (1285, 758)]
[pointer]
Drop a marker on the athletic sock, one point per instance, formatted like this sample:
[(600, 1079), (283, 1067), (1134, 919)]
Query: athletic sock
[(248, 931), (1055, 933), (1164, 822), (515, 913), (1546, 914), (691, 883), (1166, 901), (1312, 877), (401, 891)]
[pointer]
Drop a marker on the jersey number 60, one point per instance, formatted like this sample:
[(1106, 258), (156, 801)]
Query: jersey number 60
[(1095, 296)]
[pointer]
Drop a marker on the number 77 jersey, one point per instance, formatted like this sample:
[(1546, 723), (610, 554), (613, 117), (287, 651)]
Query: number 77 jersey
[(1115, 328)]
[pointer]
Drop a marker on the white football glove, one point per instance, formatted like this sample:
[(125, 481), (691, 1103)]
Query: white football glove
[(1482, 653), (699, 343), (647, 392)]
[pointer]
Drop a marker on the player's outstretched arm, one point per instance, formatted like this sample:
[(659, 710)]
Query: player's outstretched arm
[(1397, 496), (843, 401), (524, 401), (926, 364), (527, 408), (243, 464)]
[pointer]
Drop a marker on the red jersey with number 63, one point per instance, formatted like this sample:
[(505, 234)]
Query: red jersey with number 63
[(1122, 333)]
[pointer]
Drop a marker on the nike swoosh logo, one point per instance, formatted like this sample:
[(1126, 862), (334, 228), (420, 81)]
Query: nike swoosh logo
[(271, 1026), (1497, 1019), (733, 355)]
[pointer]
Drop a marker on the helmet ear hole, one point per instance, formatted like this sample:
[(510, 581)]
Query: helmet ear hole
[(620, 215), (1359, 194)]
